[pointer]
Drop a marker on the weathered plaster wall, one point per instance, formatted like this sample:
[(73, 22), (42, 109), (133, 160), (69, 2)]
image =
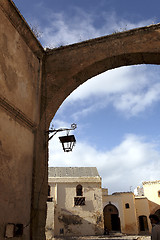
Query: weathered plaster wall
[(19, 71), (50, 226), (142, 209), (76, 220), (16, 154), (19, 115)]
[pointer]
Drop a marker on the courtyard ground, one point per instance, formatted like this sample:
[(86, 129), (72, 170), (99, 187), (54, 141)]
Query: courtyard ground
[(108, 237)]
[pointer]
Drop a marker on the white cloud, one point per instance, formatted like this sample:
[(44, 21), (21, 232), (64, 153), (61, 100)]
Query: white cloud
[(134, 103), (130, 90), (134, 160), (125, 88), (63, 29)]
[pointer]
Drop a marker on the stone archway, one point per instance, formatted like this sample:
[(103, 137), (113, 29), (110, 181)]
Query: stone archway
[(66, 68), (111, 218)]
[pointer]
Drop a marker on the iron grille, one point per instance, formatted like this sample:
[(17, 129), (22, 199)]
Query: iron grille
[(79, 201)]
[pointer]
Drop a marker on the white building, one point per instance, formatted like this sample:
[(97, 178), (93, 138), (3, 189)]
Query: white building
[(74, 202)]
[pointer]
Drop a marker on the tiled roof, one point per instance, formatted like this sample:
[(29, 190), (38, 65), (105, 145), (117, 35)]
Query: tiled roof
[(73, 172)]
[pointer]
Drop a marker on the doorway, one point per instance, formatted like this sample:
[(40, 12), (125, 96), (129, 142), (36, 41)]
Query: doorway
[(111, 218), (143, 224)]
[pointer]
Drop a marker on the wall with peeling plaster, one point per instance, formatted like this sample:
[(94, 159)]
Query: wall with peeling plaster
[(19, 98), (143, 209), (75, 220)]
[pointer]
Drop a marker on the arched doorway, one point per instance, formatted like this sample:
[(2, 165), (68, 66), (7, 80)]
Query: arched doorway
[(158, 213), (111, 218), (143, 223)]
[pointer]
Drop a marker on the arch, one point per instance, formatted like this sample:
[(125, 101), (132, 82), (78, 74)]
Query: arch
[(143, 223), (111, 218), (79, 190), (68, 67)]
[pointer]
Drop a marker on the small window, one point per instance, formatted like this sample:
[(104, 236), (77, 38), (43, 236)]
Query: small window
[(79, 190), (159, 193), (49, 190), (127, 205), (49, 199), (79, 201), (61, 231)]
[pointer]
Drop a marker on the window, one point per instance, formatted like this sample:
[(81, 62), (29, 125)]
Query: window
[(127, 205), (79, 201), (159, 193), (79, 190), (49, 199), (61, 231), (49, 190)]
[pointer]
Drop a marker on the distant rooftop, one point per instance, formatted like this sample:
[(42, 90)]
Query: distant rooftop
[(73, 172), (151, 182), (116, 193)]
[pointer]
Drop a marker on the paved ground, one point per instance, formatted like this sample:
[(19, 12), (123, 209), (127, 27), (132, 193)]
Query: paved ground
[(117, 237)]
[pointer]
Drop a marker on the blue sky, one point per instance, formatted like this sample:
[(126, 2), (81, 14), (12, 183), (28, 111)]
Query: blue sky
[(117, 112)]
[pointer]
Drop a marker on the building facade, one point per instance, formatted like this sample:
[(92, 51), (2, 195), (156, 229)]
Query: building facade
[(77, 205), (128, 212), (74, 202)]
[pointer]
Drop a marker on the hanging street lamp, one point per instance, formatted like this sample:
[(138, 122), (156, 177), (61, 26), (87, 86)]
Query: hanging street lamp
[(68, 141)]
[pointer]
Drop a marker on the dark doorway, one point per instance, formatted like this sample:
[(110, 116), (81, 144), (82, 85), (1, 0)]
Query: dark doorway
[(158, 213), (143, 223), (111, 218), (115, 222)]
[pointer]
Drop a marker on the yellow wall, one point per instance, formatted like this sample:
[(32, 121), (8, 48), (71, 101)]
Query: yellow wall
[(151, 192), (127, 215), (142, 209)]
